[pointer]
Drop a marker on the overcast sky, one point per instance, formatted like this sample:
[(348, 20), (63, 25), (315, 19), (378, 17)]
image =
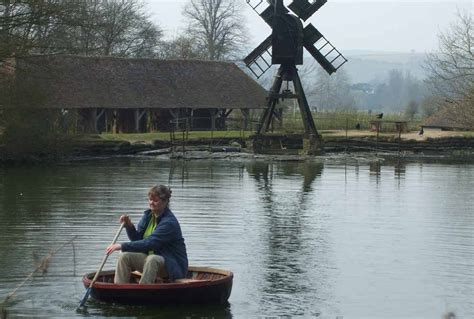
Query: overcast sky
[(377, 25)]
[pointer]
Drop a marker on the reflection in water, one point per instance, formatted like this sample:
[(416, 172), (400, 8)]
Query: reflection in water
[(374, 169), (285, 273), (399, 172), (171, 311), (310, 173), (400, 169), (301, 238), (30, 198)]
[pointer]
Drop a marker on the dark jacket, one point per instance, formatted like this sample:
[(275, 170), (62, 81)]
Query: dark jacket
[(166, 240)]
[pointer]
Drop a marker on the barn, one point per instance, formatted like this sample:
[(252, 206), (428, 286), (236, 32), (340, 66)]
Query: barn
[(123, 95)]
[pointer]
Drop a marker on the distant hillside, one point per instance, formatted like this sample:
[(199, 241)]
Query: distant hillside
[(366, 71), (369, 66), (362, 67)]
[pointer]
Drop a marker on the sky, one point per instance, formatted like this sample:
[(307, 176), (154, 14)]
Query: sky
[(381, 25)]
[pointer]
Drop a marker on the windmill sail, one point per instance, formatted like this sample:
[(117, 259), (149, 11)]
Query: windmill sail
[(257, 5), (260, 59), (305, 9), (322, 50)]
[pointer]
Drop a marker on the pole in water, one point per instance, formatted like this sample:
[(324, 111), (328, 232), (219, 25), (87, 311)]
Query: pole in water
[(89, 289)]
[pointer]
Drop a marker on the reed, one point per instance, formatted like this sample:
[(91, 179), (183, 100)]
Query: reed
[(42, 266)]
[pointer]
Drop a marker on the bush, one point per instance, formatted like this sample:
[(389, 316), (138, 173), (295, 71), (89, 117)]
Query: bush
[(29, 133)]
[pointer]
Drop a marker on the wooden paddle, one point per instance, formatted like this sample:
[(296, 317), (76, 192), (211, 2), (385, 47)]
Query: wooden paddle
[(88, 291)]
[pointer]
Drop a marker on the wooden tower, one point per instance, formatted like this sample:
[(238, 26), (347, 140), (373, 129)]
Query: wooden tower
[(284, 47)]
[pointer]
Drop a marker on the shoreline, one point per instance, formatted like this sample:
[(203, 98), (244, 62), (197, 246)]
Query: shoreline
[(459, 148)]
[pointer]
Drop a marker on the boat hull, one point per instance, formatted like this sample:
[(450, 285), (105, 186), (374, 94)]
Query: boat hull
[(202, 286)]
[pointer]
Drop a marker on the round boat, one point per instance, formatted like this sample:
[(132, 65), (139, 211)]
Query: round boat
[(202, 285)]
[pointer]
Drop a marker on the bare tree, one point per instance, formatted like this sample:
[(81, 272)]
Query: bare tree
[(451, 70), (89, 27), (332, 91), (108, 28), (181, 47), (23, 24), (125, 29), (217, 26), (411, 109)]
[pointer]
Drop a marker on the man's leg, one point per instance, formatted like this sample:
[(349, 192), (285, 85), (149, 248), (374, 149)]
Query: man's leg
[(154, 265), (126, 263)]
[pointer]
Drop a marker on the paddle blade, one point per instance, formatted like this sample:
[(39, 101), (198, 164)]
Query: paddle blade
[(86, 296)]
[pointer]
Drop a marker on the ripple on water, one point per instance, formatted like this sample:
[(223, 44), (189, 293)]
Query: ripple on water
[(303, 239)]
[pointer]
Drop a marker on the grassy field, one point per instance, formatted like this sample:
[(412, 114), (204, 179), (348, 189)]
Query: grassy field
[(329, 124)]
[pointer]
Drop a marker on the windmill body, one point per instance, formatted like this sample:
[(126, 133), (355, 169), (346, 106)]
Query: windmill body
[(284, 47)]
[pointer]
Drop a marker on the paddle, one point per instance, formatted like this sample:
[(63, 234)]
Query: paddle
[(88, 291)]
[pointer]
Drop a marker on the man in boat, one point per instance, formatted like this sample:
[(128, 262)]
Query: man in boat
[(156, 246)]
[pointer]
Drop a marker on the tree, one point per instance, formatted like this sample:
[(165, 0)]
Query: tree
[(89, 27), (125, 30), (429, 106), (181, 47), (451, 70), (411, 110), (395, 88), (24, 23), (395, 92), (331, 91), (107, 28), (217, 26)]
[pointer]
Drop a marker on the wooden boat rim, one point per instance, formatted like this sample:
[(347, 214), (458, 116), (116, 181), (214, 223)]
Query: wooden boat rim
[(228, 275)]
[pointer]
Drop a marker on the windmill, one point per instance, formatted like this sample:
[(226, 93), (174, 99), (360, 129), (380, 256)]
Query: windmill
[(285, 47)]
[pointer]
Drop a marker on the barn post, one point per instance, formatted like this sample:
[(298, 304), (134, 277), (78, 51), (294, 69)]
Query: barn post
[(92, 126), (213, 119), (246, 115), (114, 121), (98, 114)]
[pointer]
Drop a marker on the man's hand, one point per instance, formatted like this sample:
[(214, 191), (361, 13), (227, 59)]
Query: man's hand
[(113, 248)]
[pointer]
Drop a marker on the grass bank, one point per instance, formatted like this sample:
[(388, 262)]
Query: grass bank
[(166, 136), (327, 134)]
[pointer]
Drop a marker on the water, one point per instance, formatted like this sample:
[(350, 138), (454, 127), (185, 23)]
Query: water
[(312, 239)]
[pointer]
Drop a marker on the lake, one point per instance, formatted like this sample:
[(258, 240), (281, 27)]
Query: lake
[(331, 238)]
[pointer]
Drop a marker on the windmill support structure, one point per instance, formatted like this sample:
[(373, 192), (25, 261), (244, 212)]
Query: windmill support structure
[(312, 139)]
